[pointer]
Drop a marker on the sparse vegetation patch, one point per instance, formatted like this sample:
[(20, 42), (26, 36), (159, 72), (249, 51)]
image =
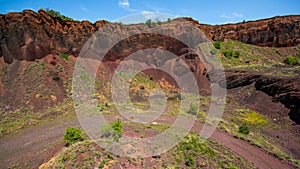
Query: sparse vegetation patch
[(73, 135), (64, 56), (290, 60), (56, 14)]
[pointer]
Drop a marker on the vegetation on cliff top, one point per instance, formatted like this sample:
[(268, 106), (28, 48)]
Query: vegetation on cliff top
[(56, 14)]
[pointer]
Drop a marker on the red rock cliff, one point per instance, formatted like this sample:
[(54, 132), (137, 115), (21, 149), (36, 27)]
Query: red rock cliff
[(29, 35)]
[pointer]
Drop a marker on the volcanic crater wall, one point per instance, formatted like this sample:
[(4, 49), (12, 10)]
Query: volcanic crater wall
[(29, 35), (280, 31)]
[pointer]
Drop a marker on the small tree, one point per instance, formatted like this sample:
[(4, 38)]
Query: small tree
[(148, 22), (73, 135), (227, 54), (244, 129), (169, 20), (189, 160), (106, 130), (290, 60), (193, 109), (158, 21), (236, 54), (217, 44), (117, 127)]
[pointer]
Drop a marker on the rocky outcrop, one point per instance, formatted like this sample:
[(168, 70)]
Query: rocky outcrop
[(285, 90), (280, 31), (29, 35)]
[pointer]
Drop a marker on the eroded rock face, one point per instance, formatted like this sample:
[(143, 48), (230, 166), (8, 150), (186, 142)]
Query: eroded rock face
[(279, 31), (285, 90), (29, 35)]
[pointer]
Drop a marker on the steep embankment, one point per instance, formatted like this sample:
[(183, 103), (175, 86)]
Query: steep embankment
[(29, 35), (279, 31)]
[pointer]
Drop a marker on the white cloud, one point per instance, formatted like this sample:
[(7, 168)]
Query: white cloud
[(148, 14), (124, 3), (84, 9), (225, 16), (152, 13), (234, 15), (238, 15), (157, 9)]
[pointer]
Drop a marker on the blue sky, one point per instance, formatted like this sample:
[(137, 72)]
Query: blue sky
[(210, 12)]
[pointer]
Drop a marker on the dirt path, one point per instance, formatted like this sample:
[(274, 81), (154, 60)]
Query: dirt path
[(256, 155), (36, 145)]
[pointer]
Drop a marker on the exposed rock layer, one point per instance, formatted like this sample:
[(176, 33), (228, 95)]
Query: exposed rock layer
[(285, 90), (29, 35)]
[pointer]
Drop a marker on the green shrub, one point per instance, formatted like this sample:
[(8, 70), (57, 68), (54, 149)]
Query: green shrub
[(73, 135), (152, 77), (64, 56), (232, 166), (217, 44), (109, 156), (106, 130), (107, 105), (4, 70), (290, 60), (117, 127), (227, 54), (236, 54), (158, 21), (189, 160), (244, 129), (148, 22), (193, 109), (102, 164), (56, 14), (169, 20), (164, 164), (98, 154), (253, 117)]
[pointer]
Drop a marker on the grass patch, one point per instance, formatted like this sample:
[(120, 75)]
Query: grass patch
[(191, 152), (158, 127), (64, 56), (12, 121), (238, 54), (241, 120), (252, 117)]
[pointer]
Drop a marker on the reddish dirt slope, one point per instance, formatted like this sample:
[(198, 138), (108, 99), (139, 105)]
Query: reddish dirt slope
[(13, 149)]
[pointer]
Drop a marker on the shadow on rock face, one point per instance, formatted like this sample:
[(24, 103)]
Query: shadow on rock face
[(294, 115)]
